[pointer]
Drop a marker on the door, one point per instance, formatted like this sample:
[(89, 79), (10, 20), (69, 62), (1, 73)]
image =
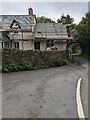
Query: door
[(37, 45)]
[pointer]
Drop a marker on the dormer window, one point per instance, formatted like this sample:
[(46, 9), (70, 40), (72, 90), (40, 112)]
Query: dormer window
[(15, 25)]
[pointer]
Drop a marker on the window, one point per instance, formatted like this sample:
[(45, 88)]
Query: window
[(49, 43), (15, 25), (16, 45), (68, 31), (52, 43), (15, 33), (2, 44), (37, 45), (39, 32), (6, 45)]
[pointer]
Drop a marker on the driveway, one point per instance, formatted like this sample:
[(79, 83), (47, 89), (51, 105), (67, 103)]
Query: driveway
[(46, 93)]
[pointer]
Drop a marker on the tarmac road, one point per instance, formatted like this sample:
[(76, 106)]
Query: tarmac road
[(46, 93)]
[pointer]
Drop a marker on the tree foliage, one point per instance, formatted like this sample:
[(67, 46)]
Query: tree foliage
[(43, 19), (59, 20), (69, 20), (82, 34)]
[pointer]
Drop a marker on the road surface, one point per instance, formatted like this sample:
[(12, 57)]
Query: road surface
[(46, 93)]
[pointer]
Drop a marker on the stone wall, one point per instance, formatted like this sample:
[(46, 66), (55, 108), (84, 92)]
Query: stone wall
[(31, 56)]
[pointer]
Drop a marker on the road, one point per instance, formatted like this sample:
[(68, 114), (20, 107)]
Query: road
[(46, 93)]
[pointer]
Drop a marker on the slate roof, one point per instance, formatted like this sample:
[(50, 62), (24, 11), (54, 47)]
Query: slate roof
[(50, 30), (25, 21), (41, 30)]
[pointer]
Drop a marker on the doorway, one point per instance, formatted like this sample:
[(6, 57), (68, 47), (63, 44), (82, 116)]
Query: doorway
[(37, 45)]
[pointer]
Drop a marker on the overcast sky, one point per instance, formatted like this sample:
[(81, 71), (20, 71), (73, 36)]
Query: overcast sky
[(52, 10)]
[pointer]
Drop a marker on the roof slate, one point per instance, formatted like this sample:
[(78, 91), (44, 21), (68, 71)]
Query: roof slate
[(25, 21), (50, 30), (41, 30)]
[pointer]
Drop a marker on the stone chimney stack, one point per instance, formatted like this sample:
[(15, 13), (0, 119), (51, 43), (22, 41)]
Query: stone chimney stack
[(30, 11), (63, 19)]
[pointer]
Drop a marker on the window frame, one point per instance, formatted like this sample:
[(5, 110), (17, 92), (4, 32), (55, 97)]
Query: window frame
[(49, 43)]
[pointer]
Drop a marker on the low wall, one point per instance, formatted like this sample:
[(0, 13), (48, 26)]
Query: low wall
[(31, 56)]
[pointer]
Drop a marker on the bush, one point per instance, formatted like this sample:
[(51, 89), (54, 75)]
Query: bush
[(24, 65), (11, 66), (4, 69)]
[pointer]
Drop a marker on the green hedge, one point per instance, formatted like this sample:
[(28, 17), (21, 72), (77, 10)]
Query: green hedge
[(23, 65)]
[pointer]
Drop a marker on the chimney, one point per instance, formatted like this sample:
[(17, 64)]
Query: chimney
[(30, 11), (63, 19)]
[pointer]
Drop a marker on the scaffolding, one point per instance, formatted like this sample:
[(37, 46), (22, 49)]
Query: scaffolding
[(53, 31)]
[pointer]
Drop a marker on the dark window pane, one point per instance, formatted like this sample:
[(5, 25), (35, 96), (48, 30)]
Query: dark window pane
[(37, 45), (2, 44), (6, 45), (52, 43), (16, 44), (47, 43)]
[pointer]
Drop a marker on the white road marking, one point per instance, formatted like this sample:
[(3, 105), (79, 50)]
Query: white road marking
[(78, 100)]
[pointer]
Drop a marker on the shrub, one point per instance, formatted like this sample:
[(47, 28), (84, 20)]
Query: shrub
[(4, 69), (11, 66), (24, 65)]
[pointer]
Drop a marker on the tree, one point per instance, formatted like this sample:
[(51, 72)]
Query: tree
[(69, 20), (43, 19), (59, 21), (83, 34)]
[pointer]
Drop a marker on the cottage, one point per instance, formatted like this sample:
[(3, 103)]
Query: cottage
[(22, 32)]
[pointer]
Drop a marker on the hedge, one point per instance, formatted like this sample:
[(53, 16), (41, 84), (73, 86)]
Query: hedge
[(23, 65)]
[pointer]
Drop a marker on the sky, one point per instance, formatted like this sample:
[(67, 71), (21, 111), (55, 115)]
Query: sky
[(52, 10)]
